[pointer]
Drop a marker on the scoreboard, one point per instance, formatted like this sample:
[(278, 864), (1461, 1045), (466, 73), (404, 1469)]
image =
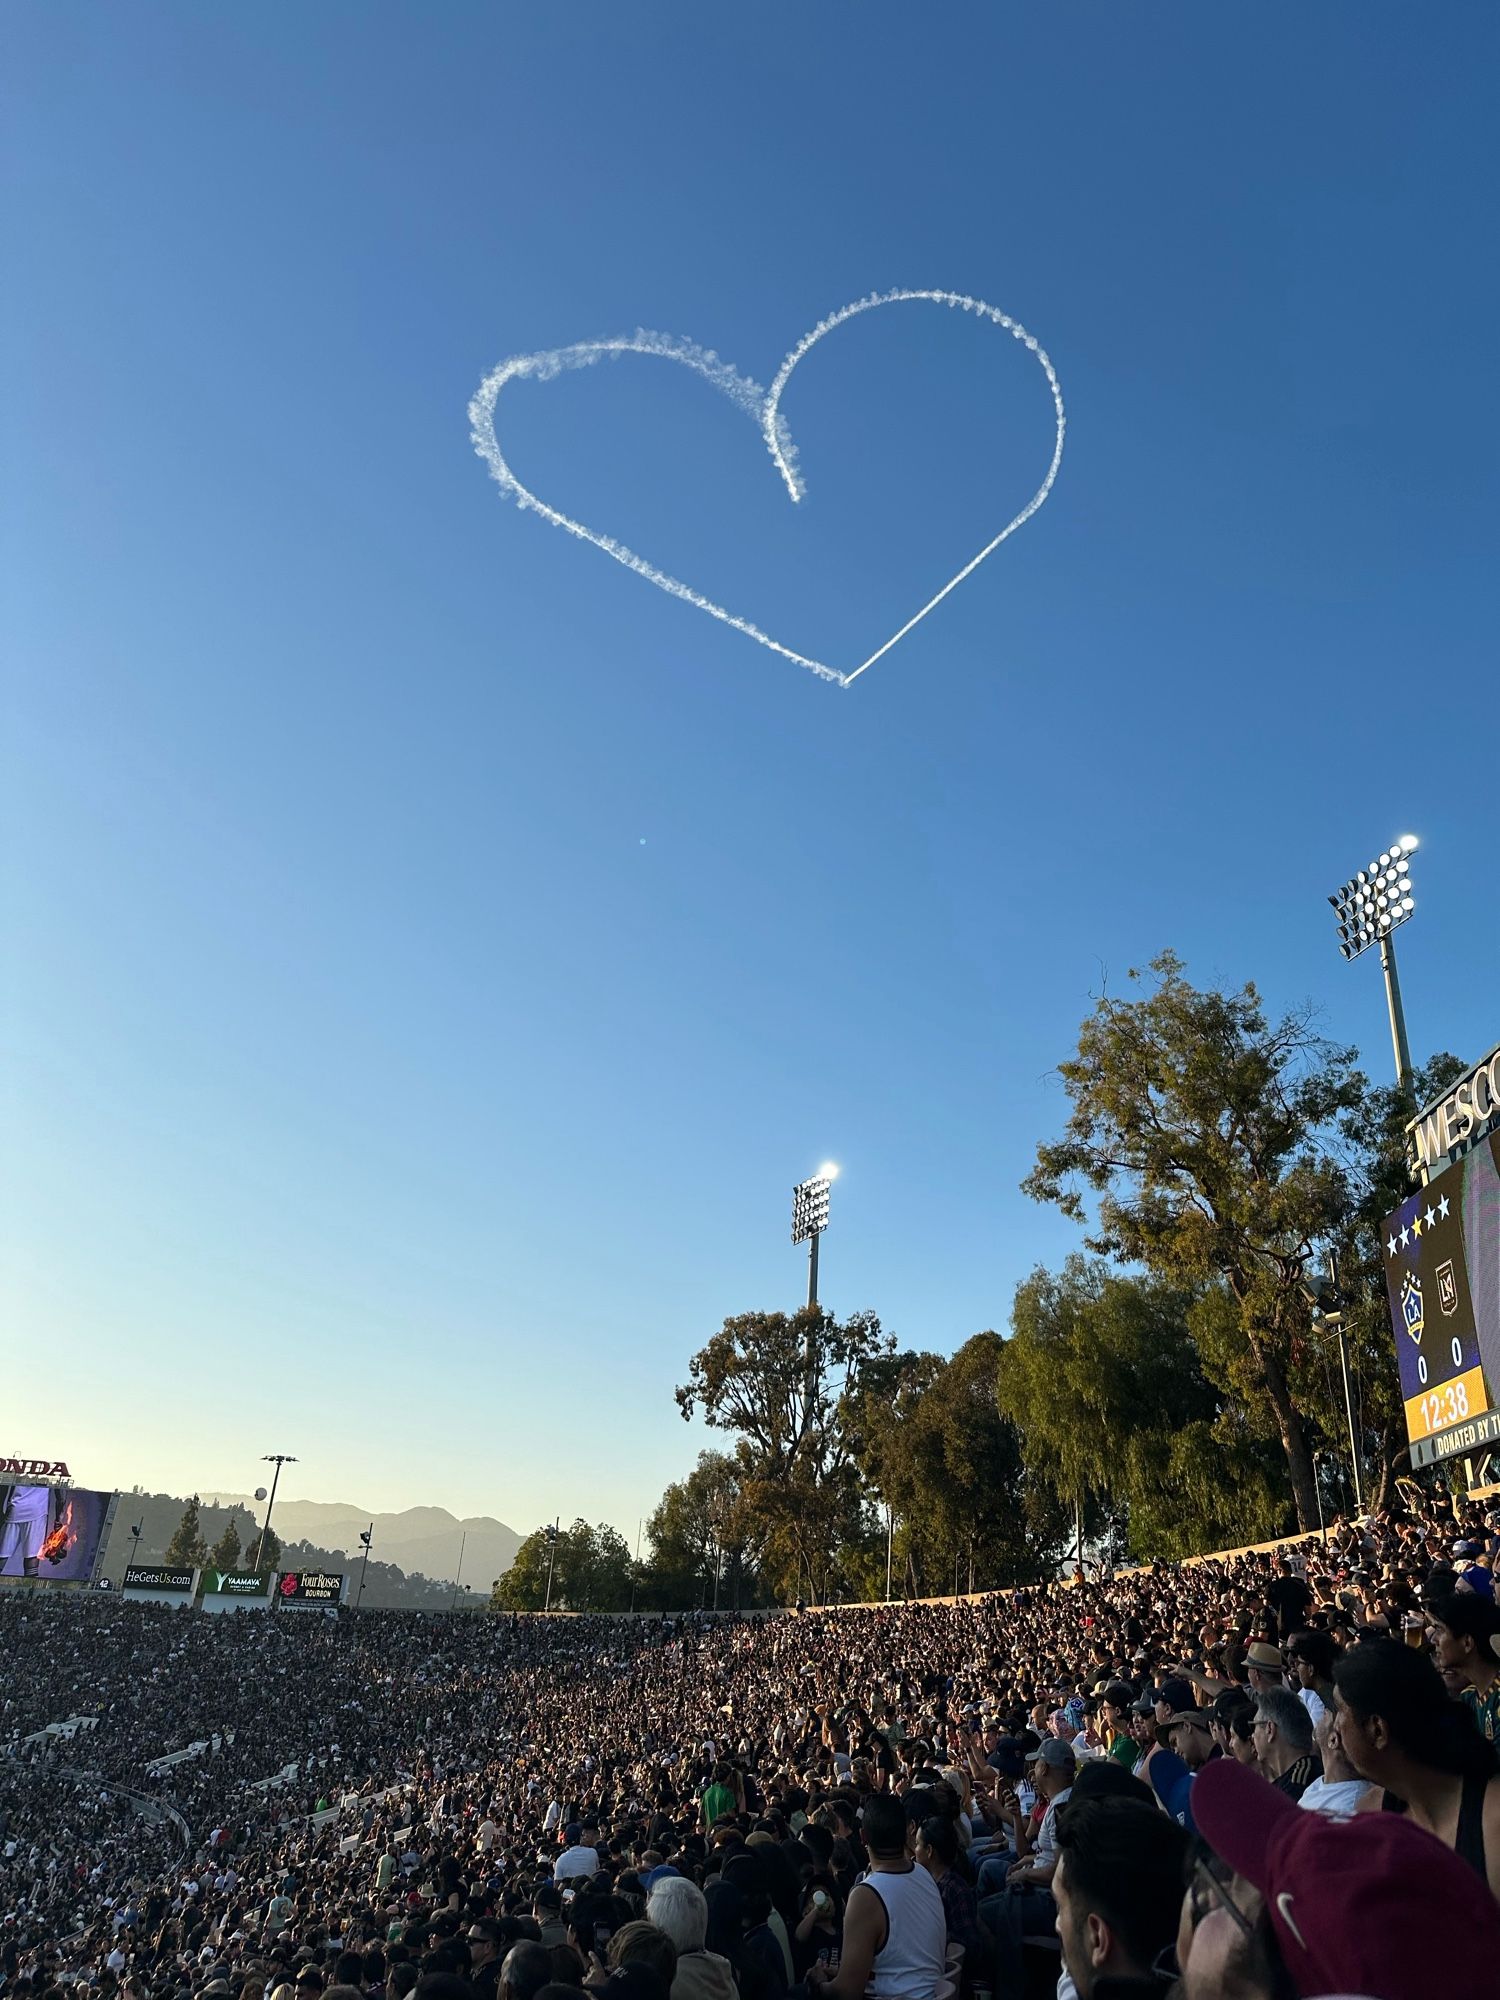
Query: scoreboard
[(1441, 1251)]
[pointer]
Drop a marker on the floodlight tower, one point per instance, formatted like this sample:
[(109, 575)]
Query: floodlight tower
[(278, 1459), (810, 1219), (1368, 908)]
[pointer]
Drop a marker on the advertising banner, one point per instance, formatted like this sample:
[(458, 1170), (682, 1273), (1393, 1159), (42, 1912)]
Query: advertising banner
[(235, 1582), (154, 1576), (310, 1586)]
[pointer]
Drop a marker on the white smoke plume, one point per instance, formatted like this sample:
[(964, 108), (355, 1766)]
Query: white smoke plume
[(764, 408)]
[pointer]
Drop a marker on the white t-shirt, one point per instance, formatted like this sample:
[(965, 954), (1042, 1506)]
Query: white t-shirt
[(1314, 1703), (575, 1861), (1337, 1800)]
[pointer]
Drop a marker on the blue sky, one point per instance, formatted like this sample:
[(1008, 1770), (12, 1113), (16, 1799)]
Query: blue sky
[(432, 954)]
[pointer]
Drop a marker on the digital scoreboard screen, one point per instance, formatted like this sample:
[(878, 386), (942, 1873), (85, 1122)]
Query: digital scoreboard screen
[(1442, 1269), (50, 1533)]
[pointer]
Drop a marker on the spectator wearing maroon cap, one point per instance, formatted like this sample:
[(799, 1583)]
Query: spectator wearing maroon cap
[(1400, 1730), (1373, 1906)]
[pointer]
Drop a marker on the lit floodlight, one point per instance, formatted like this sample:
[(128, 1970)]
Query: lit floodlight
[(1369, 906), (1368, 909), (828, 1171), (810, 1207)]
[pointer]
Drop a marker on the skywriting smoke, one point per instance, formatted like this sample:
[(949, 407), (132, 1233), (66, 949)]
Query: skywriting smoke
[(764, 408)]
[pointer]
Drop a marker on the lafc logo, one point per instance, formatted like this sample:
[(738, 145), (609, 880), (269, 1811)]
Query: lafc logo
[(1411, 1305), (1447, 1288)]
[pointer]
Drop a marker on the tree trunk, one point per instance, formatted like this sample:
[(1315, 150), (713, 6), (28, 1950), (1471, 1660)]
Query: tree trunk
[(1299, 1462), (1389, 1459)]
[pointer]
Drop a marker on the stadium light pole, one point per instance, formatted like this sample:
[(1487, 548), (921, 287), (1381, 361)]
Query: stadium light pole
[(278, 1459), (551, 1558), (1327, 1305), (366, 1536), (1368, 909), (810, 1219)]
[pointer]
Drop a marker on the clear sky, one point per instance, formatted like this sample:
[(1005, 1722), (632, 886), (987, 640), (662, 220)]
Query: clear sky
[(430, 954)]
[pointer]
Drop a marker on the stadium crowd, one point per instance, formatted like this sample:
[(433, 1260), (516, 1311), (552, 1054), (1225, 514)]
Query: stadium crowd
[(1264, 1776)]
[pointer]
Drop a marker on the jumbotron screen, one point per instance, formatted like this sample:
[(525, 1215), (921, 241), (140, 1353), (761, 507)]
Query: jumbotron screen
[(1442, 1270), (50, 1533)]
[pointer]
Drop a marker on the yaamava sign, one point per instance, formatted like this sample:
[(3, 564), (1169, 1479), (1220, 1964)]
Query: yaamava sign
[(235, 1582)]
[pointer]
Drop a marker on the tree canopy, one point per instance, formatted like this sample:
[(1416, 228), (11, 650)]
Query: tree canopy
[(590, 1570), (777, 1382), (187, 1548), (226, 1552), (1201, 1129)]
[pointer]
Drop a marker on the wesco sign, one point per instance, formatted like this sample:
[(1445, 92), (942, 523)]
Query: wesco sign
[(1461, 1115)]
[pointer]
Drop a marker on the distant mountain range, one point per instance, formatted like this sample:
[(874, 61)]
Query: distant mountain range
[(421, 1539)]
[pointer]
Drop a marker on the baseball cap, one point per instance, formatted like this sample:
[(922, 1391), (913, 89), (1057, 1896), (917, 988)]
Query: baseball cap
[(1177, 1694), (1354, 1904), (1267, 1657), (1054, 1753), (1198, 1717), (1464, 1549), (1006, 1758)]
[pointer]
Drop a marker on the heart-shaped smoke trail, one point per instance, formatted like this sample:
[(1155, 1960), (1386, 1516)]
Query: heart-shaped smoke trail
[(764, 408)]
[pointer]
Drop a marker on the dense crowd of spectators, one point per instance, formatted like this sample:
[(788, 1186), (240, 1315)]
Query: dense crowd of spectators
[(1267, 1775)]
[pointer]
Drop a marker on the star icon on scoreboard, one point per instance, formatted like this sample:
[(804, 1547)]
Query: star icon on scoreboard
[(1405, 1236), (1443, 1208), (1430, 1217), (1390, 1246)]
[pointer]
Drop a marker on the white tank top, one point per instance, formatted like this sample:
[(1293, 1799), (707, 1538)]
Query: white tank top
[(916, 1945)]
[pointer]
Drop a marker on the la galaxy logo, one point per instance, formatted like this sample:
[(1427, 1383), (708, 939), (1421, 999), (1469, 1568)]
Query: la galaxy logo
[(1411, 1305)]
